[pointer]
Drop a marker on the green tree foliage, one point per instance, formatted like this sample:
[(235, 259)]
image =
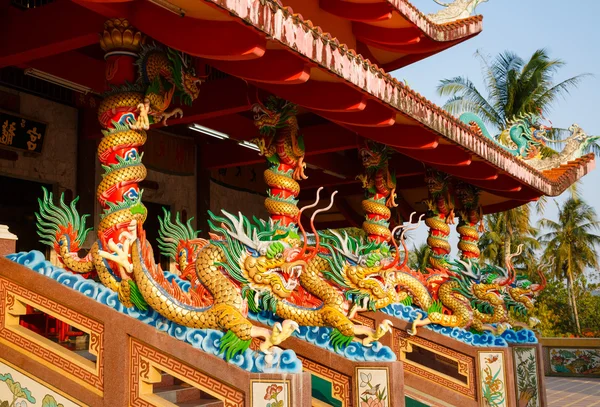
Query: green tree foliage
[(514, 86), (570, 243)]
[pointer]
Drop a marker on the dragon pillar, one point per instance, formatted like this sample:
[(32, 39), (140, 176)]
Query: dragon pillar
[(470, 215), (283, 148), (380, 190), (439, 215), (143, 80)]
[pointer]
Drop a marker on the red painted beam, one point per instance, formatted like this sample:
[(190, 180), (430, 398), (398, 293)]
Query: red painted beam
[(401, 136), (478, 170), (220, 40), (426, 45), (503, 183), (375, 114), (276, 66), (75, 67), (382, 35), (358, 11), (335, 163), (37, 33), (325, 180), (349, 189), (222, 97), (444, 154), (327, 138), (331, 96), (318, 140)]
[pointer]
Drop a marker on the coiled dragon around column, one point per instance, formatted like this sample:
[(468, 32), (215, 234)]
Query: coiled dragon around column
[(121, 255), (380, 187), (283, 147), (470, 215), (144, 79), (439, 216)]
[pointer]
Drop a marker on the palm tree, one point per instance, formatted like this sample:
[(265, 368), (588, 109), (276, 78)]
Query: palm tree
[(514, 87), (419, 257), (505, 231), (571, 244)]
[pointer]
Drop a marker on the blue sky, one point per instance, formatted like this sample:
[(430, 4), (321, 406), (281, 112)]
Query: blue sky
[(566, 29)]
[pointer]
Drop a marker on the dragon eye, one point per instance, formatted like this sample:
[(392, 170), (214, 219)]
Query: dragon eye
[(274, 250), (279, 255)]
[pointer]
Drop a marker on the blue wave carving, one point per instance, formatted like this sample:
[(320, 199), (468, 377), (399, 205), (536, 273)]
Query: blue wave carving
[(319, 336), (409, 313), (207, 340)]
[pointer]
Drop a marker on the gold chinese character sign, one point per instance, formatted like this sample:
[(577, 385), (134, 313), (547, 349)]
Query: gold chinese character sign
[(21, 133)]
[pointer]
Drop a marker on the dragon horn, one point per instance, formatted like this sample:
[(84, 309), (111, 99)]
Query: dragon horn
[(405, 261), (312, 226), (302, 227), (510, 267), (543, 282), (397, 257), (468, 269)]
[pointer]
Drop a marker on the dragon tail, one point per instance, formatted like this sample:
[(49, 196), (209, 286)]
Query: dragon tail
[(61, 227)]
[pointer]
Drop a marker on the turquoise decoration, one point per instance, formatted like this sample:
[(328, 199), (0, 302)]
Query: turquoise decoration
[(524, 131)]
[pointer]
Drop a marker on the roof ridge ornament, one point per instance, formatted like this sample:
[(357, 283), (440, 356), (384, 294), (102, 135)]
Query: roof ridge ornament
[(456, 10)]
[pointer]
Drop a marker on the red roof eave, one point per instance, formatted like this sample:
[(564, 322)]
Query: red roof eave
[(455, 30)]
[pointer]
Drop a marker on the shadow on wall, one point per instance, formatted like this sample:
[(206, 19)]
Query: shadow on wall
[(18, 205)]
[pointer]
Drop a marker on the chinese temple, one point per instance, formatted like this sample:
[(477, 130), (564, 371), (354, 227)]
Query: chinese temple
[(205, 203)]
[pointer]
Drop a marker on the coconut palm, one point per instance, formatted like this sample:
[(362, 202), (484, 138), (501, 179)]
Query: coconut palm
[(514, 86), (571, 244), (505, 231), (419, 257)]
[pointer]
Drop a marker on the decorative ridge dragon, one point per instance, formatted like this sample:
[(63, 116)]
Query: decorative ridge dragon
[(524, 132), (457, 10)]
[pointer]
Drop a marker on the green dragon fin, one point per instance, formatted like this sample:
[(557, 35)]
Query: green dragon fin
[(231, 345), (338, 340), (136, 297)]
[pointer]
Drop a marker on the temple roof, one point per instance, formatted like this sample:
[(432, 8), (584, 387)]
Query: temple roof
[(343, 94), (391, 33)]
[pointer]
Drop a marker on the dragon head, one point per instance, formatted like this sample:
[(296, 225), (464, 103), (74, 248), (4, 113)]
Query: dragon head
[(436, 181), (358, 266), (265, 261), (467, 194), (184, 76), (374, 155), (272, 115), (524, 293)]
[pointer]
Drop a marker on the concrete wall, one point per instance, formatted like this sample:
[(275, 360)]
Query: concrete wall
[(234, 201), (58, 160)]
